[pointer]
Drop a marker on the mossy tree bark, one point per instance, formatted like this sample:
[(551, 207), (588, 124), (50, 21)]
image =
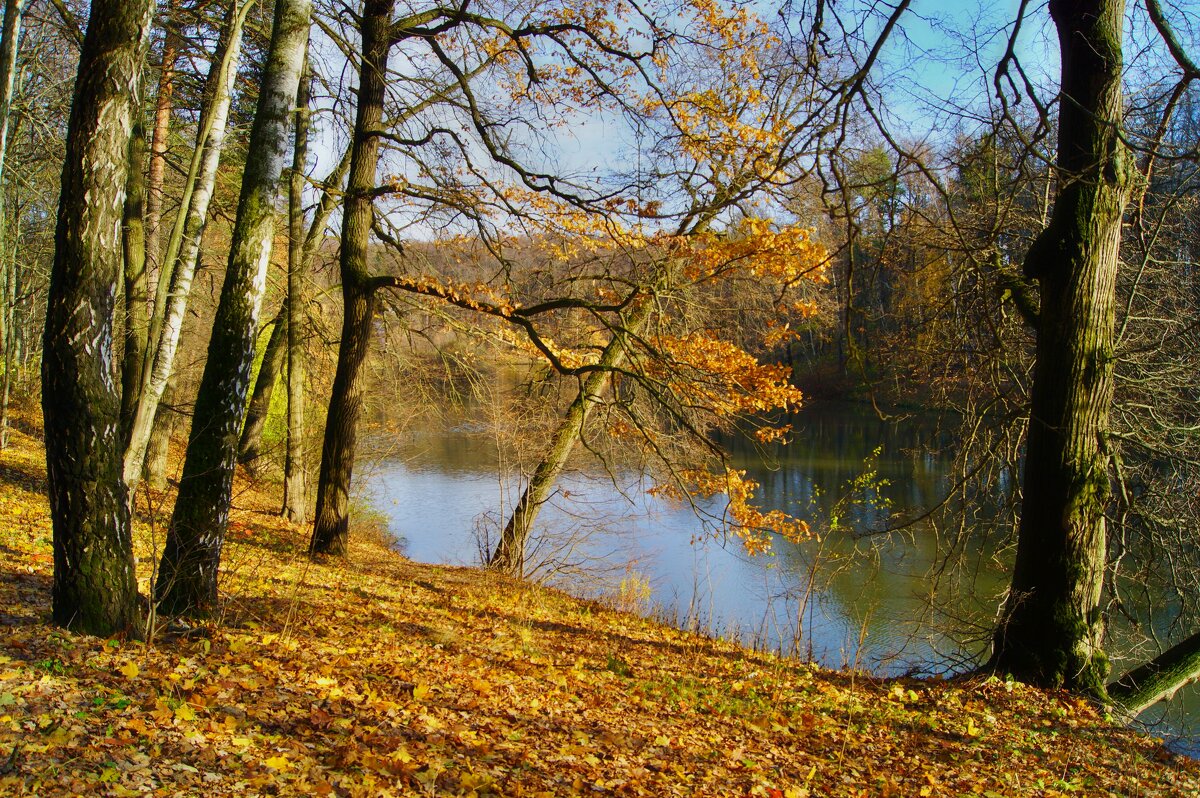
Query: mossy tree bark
[(295, 487), (94, 589), (187, 577), (167, 421), (137, 314), (250, 445), (1158, 679), (330, 530), (1050, 631)]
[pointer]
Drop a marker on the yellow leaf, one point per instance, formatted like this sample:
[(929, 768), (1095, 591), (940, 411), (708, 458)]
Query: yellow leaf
[(240, 741), (130, 670), (662, 740), (184, 712), (420, 692), (277, 762)]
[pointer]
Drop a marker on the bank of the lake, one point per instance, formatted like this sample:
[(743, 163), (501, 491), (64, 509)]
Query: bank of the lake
[(381, 676), (919, 601)]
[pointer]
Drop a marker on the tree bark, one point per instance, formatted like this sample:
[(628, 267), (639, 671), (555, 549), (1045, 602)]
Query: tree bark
[(137, 317), (94, 589), (250, 444), (187, 577), (509, 555), (295, 489), (330, 531), (1158, 679), (9, 42), (166, 421), (164, 102), (183, 250), (1051, 629)]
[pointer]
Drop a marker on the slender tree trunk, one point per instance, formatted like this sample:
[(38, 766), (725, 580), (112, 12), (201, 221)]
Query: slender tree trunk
[(183, 250), (1051, 629), (166, 422), (187, 577), (509, 555), (295, 489), (1158, 679), (250, 445), (163, 103), (10, 289), (135, 328), (330, 531), (9, 42), (95, 589)]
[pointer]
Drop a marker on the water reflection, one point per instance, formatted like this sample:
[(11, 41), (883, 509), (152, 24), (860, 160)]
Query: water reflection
[(921, 600)]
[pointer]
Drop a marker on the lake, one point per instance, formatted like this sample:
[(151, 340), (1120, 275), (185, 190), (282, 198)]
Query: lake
[(919, 600)]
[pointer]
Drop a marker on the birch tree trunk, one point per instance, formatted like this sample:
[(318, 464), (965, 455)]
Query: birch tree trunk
[(94, 589), (187, 576), (330, 530), (1051, 630), (183, 249), (163, 422)]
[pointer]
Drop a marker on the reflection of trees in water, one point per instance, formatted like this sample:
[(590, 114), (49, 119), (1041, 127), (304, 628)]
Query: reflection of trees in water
[(909, 590), (925, 593)]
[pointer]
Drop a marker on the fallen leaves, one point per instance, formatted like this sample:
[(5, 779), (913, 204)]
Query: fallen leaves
[(384, 677)]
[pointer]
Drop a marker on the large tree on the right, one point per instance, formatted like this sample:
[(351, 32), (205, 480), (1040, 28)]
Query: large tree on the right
[(1051, 626)]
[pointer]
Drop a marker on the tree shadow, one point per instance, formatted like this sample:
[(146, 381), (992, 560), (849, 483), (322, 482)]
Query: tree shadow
[(33, 480)]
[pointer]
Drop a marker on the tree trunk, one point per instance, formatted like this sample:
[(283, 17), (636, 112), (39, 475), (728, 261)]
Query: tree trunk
[(187, 577), (295, 489), (1158, 679), (509, 555), (183, 250), (95, 589), (250, 445), (10, 290), (163, 103), (330, 531), (9, 43), (1051, 630), (136, 296), (166, 422)]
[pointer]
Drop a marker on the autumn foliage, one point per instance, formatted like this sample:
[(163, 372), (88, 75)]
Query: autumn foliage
[(476, 685)]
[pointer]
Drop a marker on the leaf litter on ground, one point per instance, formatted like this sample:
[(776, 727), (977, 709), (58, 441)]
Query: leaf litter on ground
[(378, 676)]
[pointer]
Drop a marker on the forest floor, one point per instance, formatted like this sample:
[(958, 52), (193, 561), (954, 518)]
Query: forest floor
[(380, 676)]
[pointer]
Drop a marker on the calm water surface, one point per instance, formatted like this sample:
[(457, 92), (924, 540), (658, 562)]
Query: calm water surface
[(888, 603)]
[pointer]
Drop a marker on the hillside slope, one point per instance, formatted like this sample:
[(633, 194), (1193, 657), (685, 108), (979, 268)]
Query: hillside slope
[(380, 676)]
